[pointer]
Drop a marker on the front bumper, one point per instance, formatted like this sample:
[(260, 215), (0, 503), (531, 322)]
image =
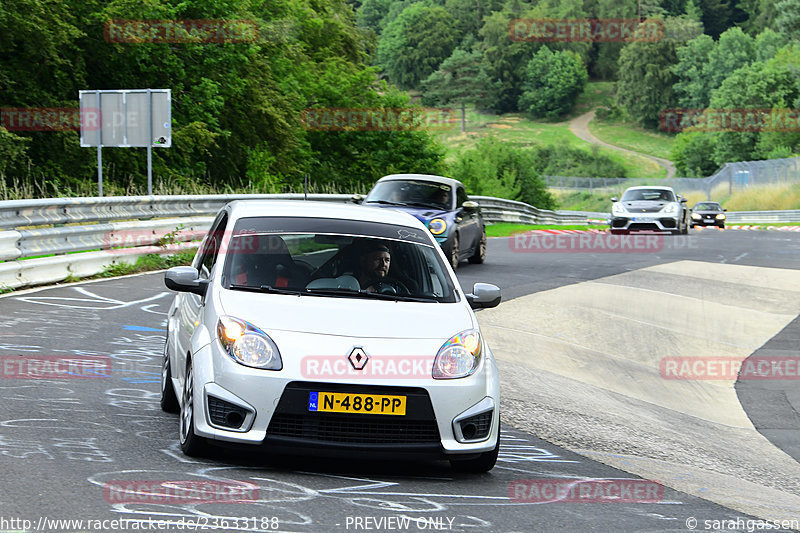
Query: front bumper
[(645, 222), (248, 406), (708, 222)]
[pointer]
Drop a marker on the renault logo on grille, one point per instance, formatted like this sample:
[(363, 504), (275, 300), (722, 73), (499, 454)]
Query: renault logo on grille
[(358, 358)]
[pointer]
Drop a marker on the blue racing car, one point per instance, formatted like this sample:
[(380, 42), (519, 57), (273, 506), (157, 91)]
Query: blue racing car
[(443, 206)]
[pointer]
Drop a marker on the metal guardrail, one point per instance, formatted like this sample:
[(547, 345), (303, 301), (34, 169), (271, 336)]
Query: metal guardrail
[(730, 177), (120, 229), (758, 217)]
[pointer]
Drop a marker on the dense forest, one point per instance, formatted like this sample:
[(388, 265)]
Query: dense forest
[(236, 105)]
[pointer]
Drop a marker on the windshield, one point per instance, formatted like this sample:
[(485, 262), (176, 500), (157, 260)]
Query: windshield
[(708, 206), (651, 195), (412, 192), (336, 258)]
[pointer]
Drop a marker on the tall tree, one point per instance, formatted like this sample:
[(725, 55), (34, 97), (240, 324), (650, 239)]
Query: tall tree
[(646, 79), (733, 50), (787, 19), (460, 79), (761, 85), (414, 44), (693, 88), (504, 59), (553, 82)]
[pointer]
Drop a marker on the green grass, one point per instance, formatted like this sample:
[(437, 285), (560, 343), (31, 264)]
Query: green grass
[(595, 94), (147, 263), (505, 229), (584, 200), (632, 137), (519, 130)]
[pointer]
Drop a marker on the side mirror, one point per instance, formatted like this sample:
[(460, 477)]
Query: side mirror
[(484, 296), (724, 209), (469, 205), (358, 198), (683, 200), (614, 199), (185, 279)]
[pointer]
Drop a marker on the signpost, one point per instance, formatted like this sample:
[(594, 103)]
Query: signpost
[(129, 118)]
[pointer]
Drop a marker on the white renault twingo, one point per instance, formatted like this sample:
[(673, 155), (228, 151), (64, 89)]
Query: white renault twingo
[(337, 328)]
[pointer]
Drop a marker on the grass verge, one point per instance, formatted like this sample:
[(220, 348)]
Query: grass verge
[(504, 229), (147, 263)]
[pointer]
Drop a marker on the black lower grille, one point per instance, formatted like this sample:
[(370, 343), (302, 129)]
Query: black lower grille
[(353, 429), (668, 222), (477, 427), (293, 419), (225, 414), (643, 226)]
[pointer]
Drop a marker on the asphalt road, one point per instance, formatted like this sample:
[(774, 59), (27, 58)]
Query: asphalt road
[(65, 443)]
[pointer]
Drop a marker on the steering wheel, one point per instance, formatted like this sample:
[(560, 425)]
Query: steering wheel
[(389, 286)]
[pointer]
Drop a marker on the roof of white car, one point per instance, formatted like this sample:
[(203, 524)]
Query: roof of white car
[(312, 209), (650, 187), (422, 177)]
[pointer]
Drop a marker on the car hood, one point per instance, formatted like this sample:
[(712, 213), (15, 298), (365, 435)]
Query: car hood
[(707, 212), (349, 317), (423, 214), (645, 206)]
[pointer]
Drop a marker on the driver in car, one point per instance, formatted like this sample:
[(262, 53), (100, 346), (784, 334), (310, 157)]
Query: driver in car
[(374, 266)]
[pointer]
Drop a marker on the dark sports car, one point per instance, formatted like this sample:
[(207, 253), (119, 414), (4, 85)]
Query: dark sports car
[(708, 214), (443, 206)]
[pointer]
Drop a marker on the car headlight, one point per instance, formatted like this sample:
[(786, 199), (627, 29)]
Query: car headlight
[(671, 209), (437, 226), (460, 356), (695, 216), (247, 344), (720, 217)]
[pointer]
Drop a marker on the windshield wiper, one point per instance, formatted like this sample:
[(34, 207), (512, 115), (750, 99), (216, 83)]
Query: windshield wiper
[(384, 202), (265, 288)]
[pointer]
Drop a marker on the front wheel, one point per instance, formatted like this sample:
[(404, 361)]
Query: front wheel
[(191, 444), (480, 464), (454, 252), (480, 251)]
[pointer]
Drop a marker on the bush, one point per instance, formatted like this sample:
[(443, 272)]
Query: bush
[(494, 168)]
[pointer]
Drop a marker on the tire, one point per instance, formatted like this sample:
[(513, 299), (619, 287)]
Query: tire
[(454, 251), (480, 251), (191, 444), (169, 401), (721, 226), (477, 465), (685, 229)]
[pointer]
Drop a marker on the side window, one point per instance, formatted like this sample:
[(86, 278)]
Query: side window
[(461, 197), (211, 247)]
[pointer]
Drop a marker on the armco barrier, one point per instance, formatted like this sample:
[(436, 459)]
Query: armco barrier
[(98, 227)]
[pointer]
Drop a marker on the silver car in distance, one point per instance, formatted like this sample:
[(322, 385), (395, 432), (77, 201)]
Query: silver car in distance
[(650, 208), (340, 329)]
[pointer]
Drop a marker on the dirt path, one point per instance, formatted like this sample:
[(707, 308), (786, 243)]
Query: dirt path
[(579, 126)]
